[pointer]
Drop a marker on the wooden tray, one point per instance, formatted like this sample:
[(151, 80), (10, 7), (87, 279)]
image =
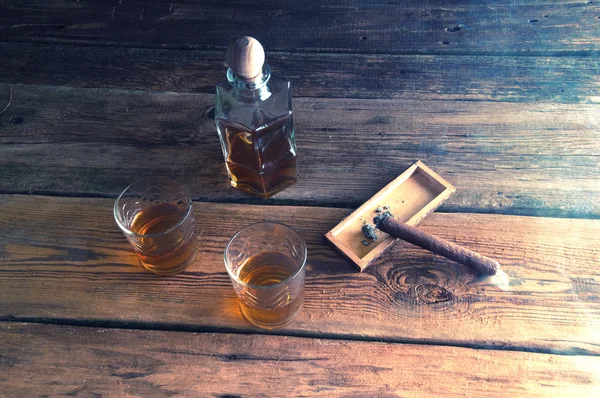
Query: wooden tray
[(411, 197)]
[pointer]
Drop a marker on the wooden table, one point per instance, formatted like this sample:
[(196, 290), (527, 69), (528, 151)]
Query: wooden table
[(500, 98)]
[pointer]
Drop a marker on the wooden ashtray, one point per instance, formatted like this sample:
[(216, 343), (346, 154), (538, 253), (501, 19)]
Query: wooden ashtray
[(411, 197)]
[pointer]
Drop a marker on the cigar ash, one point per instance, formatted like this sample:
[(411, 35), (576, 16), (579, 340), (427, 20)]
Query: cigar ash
[(370, 231)]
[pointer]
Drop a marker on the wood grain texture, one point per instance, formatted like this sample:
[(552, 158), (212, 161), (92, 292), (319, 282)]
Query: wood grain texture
[(541, 159), (485, 27), (65, 361), (65, 260), (446, 77)]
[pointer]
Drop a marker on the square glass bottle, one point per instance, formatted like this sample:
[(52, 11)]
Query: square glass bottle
[(254, 119)]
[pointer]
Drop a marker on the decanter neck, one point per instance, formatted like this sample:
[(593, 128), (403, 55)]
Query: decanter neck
[(256, 87)]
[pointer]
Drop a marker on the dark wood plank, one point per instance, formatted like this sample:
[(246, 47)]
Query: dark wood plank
[(503, 157), (485, 27), (65, 260), (445, 77), (61, 361)]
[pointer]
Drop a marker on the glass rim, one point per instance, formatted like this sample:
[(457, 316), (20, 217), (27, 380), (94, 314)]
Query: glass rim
[(283, 282), (127, 231)]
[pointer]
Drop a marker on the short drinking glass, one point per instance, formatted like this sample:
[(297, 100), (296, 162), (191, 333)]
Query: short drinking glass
[(266, 263), (156, 216)]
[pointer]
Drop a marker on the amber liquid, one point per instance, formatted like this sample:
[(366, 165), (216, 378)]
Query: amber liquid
[(166, 254), (261, 162), (270, 308)]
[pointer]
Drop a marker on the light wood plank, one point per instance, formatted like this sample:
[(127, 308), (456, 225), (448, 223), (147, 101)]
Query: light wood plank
[(444, 77), (47, 360), (532, 159), (531, 27), (65, 259)]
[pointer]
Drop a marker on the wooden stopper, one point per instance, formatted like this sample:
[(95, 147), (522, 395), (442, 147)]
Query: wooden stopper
[(246, 57)]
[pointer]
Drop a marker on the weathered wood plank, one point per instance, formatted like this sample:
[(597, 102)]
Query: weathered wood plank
[(58, 360), (65, 259), (487, 27), (510, 158), (446, 77)]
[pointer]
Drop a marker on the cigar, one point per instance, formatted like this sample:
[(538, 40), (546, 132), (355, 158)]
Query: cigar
[(385, 222)]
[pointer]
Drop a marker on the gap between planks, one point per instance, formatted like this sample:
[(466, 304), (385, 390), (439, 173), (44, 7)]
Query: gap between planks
[(252, 201), (299, 50), (183, 328), (221, 50)]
